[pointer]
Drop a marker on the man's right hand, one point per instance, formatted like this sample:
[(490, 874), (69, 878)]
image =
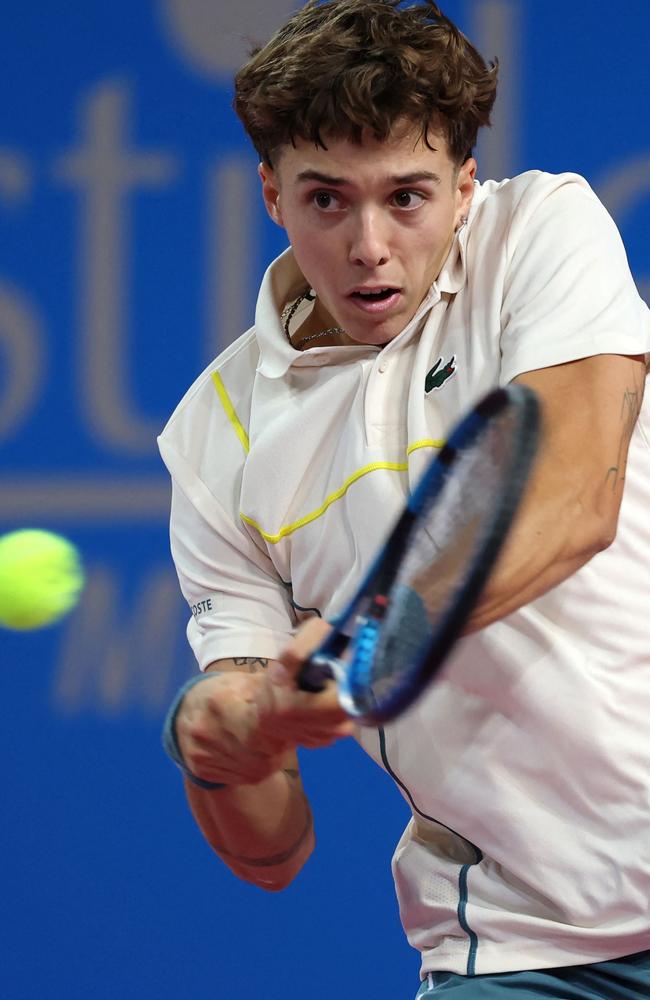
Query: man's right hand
[(237, 728), (218, 730)]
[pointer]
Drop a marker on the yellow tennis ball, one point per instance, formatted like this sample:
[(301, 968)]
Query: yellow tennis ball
[(41, 578)]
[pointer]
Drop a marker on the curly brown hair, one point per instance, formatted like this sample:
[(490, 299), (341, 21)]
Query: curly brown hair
[(344, 67)]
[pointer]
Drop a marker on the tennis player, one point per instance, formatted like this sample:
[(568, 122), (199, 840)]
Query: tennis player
[(408, 290)]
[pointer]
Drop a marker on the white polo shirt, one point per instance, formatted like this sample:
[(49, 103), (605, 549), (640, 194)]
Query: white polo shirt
[(528, 766)]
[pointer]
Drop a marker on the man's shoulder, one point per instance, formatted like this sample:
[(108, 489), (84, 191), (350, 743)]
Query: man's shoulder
[(521, 196), (206, 437), (535, 208), (229, 376)]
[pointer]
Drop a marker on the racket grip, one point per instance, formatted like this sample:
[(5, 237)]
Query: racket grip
[(315, 674), (319, 668)]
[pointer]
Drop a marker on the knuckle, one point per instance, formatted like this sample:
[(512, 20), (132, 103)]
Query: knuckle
[(197, 731), (194, 764)]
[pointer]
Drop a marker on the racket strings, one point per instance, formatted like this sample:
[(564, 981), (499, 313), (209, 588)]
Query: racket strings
[(445, 539)]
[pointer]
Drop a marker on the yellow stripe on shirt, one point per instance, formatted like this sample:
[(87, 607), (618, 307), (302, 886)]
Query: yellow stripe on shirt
[(226, 402), (289, 529), (425, 443)]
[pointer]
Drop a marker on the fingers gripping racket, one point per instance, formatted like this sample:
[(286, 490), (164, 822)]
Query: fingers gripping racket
[(416, 598)]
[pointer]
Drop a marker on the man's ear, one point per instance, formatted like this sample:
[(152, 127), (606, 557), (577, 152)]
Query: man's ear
[(271, 192), (465, 189)]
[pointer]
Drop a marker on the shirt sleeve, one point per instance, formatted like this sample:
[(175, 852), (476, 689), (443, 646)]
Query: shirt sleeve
[(239, 604), (568, 291)]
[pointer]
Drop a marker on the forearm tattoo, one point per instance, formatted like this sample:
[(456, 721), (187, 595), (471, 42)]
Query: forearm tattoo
[(253, 663), (630, 409)]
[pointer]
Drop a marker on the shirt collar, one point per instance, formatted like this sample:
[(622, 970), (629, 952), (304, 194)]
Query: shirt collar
[(453, 275), (283, 282)]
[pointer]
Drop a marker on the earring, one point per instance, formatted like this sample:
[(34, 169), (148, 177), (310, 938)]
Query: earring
[(462, 222)]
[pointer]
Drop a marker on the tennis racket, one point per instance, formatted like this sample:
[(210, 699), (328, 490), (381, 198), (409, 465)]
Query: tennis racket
[(396, 633)]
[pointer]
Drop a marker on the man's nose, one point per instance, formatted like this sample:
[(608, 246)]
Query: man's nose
[(369, 242)]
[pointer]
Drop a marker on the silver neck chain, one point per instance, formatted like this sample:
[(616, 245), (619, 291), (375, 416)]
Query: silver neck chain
[(312, 336)]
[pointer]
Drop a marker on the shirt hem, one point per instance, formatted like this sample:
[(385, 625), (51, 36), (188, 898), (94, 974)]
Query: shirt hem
[(234, 646), (492, 960)]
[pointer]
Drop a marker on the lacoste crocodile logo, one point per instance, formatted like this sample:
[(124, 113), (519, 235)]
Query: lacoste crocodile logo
[(438, 376)]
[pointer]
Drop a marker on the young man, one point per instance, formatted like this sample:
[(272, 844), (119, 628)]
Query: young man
[(408, 291)]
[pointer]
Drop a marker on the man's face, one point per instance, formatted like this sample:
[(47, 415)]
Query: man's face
[(370, 225)]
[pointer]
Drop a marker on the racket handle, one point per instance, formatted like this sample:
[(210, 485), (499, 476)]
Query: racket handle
[(320, 667), (315, 674)]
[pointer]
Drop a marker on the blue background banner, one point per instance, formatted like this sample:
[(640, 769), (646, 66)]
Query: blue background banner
[(132, 241)]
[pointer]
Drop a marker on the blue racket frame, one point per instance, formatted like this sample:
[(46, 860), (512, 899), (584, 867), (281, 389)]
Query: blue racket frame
[(347, 652)]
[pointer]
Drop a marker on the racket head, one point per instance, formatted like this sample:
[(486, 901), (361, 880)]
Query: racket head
[(424, 584)]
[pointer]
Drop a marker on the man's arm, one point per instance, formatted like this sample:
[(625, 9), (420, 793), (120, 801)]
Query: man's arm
[(570, 508), (242, 730)]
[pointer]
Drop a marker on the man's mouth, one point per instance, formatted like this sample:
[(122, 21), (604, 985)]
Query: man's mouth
[(376, 299), (376, 295)]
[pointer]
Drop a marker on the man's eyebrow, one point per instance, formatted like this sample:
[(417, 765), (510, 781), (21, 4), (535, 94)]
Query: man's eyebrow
[(315, 175), (401, 180), (419, 175)]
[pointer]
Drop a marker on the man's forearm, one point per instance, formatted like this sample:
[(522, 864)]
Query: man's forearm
[(240, 730), (263, 832), (496, 604), (570, 508)]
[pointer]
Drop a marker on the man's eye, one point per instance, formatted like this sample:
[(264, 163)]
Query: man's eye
[(324, 200), (407, 199)]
